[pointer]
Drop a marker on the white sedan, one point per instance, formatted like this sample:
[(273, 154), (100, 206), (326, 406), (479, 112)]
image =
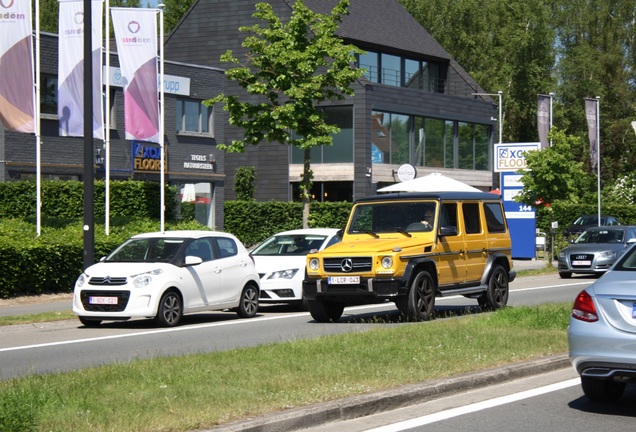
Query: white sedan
[(281, 261), (165, 275)]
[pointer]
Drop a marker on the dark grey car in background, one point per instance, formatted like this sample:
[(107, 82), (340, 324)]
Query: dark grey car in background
[(596, 250)]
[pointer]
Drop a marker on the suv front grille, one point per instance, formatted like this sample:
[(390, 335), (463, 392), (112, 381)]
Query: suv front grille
[(341, 265)]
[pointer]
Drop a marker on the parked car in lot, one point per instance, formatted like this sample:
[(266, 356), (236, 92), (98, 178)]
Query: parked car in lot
[(602, 332), (596, 250), (165, 275), (588, 221), (280, 262)]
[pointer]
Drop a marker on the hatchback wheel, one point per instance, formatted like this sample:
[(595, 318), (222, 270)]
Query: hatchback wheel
[(249, 302), (170, 310), (90, 322)]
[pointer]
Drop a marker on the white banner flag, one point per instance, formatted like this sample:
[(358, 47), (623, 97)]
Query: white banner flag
[(70, 104), (136, 35), (17, 92)]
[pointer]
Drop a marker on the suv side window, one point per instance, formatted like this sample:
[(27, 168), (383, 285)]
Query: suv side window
[(494, 218), (471, 218), (448, 215)]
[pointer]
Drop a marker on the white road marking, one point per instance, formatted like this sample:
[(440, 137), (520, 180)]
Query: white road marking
[(456, 412)]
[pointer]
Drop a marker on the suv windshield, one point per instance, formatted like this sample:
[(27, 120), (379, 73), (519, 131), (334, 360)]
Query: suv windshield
[(146, 250), (393, 217)]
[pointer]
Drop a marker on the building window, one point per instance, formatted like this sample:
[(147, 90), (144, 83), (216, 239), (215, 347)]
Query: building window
[(193, 117), (341, 150), (429, 142), (399, 71), (48, 95)]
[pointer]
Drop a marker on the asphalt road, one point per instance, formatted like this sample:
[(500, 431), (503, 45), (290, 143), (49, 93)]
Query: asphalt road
[(67, 345)]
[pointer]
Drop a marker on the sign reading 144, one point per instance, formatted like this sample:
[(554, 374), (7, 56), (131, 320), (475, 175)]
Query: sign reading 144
[(525, 208)]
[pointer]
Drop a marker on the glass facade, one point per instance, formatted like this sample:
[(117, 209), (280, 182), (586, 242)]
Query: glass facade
[(342, 148), (399, 71), (429, 142)]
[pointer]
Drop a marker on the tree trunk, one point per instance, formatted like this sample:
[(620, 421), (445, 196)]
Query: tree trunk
[(305, 187)]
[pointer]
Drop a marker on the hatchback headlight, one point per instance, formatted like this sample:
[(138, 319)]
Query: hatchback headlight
[(608, 254), (387, 262), (283, 274), (145, 279), (81, 280), (314, 264)]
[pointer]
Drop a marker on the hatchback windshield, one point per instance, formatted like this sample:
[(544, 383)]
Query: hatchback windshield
[(290, 245), (146, 250), (601, 236)]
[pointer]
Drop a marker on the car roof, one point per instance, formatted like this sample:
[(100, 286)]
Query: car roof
[(323, 231), (458, 196), (183, 234), (611, 227)]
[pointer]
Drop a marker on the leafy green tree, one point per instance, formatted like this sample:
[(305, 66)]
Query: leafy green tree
[(552, 175), (244, 183), (291, 67), (174, 11)]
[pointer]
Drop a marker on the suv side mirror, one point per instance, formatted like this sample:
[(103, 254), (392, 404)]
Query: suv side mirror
[(447, 231)]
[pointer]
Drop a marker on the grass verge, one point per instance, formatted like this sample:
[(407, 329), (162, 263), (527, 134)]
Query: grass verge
[(200, 391)]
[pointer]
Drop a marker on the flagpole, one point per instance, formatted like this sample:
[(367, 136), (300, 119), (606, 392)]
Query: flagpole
[(598, 156), (161, 115), (89, 151), (107, 120), (36, 106)]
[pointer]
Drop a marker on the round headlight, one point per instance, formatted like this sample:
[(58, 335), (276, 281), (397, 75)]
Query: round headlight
[(387, 262), (142, 281), (314, 264)]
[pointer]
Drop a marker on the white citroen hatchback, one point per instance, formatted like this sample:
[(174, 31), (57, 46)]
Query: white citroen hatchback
[(166, 275)]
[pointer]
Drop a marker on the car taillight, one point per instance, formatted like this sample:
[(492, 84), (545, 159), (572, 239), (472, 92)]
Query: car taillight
[(584, 308)]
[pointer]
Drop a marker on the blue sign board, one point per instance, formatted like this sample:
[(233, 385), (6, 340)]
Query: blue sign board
[(521, 218)]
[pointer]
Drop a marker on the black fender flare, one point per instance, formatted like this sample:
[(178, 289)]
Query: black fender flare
[(496, 258), (414, 263)]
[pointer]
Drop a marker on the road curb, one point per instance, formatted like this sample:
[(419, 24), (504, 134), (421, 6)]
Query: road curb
[(360, 406)]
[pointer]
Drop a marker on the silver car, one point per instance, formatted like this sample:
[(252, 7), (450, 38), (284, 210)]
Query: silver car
[(602, 332), (595, 250)]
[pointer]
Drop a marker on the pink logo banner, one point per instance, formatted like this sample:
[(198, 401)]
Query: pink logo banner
[(17, 91), (70, 104), (136, 34)]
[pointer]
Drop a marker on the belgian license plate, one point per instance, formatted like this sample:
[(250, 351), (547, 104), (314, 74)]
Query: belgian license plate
[(582, 263), (103, 300), (343, 280)]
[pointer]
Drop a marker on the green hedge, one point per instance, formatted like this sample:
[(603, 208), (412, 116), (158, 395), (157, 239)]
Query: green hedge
[(65, 199)]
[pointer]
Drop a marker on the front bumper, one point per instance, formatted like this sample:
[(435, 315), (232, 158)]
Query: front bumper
[(130, 302), (369, 289)]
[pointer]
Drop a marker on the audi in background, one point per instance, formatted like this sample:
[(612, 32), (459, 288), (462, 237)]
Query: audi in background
[(595, 250)]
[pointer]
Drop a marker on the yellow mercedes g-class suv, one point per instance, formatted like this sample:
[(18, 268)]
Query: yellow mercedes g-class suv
[(409, 248)]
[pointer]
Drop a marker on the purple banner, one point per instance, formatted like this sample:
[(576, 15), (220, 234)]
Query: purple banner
[(17, 92)]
